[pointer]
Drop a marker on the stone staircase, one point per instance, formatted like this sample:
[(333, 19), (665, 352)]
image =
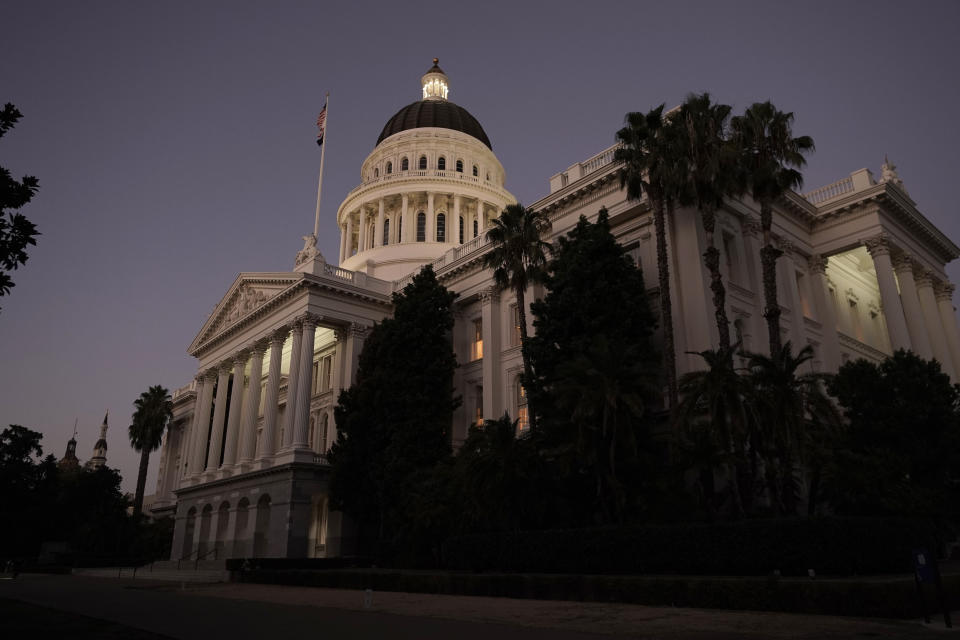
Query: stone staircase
[(206, 571)]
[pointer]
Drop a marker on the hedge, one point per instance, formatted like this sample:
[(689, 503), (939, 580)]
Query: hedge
[(830, 546)]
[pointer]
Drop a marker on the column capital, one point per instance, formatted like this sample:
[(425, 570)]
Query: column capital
[(903, 262), (225, 367), (750, 227), (787, 247), (241, 357), (210, 374), (818, 264), (358, 330), (280, 335), (943, 290), (923, 277), (490, 294), (878, 245), (260, 346), (310, 319)]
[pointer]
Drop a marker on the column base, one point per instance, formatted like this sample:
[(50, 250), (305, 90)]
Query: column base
[(288, 456)]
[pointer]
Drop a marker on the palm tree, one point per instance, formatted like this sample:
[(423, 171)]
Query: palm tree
[(707, 175), (649, 168), (518, 258), (769, 157), (154, 411), (713, 413), (793, 411)]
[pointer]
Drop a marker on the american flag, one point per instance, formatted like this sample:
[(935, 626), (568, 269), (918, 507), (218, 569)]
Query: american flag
[(321, 125)]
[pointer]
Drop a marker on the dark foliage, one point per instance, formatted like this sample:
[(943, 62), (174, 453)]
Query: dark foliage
[(16, 231), (394, 423)]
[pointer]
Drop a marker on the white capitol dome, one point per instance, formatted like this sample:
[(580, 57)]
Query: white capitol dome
[(432, 183)]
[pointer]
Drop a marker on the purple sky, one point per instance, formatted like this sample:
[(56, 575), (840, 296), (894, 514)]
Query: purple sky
[(174, 142)]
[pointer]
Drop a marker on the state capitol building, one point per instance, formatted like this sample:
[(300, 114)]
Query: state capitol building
[(243, 467)]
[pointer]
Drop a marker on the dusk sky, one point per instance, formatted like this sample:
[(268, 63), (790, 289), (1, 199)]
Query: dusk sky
[(174, 142)]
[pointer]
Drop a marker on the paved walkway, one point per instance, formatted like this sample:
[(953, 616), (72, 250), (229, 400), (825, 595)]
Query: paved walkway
[(256, 611)]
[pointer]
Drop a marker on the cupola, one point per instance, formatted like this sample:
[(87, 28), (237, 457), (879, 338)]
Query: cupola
[(436, 85)]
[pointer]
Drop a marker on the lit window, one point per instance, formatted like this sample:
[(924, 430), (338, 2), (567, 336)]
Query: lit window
[(441, 227), (421, 227), (476, 346), (442, 164), (404, 164), (515, 334), (459, 166), (423, 163), (389, 167), (478, 408), (476, 171), (461, 229), (523, 415), (386, 231)]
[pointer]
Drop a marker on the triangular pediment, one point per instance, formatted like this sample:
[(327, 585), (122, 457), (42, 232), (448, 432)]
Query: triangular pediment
[(249, 292)]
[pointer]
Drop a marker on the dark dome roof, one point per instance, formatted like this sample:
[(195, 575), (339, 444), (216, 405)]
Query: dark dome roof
[(434, 113)]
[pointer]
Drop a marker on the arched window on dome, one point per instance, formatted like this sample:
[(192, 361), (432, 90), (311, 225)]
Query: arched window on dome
[(386, 231), (459, 166), (442, 163), (461, 229), (376, 172), (422, 165), (421, 227), (404, 165), (399, 228), (389, 168), (476, 171), (475, 228), (488, 176), (441, 227)]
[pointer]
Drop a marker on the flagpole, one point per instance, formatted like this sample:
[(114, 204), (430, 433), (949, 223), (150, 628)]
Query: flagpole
[(323, 149)]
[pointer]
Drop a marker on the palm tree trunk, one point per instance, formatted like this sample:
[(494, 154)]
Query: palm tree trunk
[(141, 483), (711, 258), (527, 370), (666, 308), (768, 262)]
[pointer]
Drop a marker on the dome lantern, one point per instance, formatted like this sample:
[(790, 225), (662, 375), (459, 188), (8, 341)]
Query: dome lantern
[(434, 82)]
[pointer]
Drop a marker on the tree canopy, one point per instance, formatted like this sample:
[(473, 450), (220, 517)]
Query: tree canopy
[(16, 231)]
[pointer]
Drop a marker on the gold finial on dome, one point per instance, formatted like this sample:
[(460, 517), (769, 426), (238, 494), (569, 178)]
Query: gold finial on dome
[(434, 83)]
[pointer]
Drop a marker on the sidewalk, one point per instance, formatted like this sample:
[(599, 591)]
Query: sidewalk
[(613, 619)]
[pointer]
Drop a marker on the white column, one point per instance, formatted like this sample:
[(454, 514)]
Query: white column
[(362, 245), (879, 249), (191, 432), (455, 225), (236, 409), (293, 382), (406, 223), (431, 219), (797, 333), (219, 414), (248, 430), (931, 319), (481, 222), (343, 243), (378, 231), (272, 399), (758, 325), (826, 314), (948, 319), (305, 388), (903, 265), (349, 251), (198, 462), (490, 318)]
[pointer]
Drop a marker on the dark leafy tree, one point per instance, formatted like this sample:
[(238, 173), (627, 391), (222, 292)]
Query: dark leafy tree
[(518, 258), (154, 411), (16, 231), (650, 162), (768, 159), (394, 423), (900, 452), (595, 368)]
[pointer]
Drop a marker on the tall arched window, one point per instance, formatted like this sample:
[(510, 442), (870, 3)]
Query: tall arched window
[(441, 227), (423, 163), (421, 227), (405, 165), (476, 171), (442, 164), (461, 229), (459, 166), (474, 228), (386, 231), (523, 415), (389, 168)]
